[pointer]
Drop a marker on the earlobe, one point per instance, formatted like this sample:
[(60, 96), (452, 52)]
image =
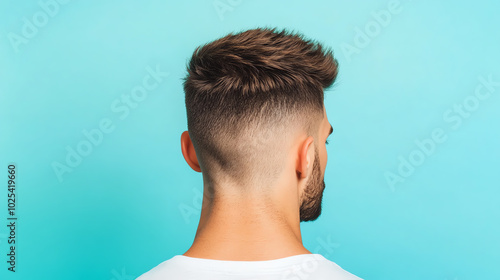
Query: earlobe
[(189, 152)]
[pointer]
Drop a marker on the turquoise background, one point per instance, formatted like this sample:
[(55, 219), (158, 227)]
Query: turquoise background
[(133, 202)]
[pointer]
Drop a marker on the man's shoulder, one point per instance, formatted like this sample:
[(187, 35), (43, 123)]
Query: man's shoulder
[(317, 266), (306, 266)]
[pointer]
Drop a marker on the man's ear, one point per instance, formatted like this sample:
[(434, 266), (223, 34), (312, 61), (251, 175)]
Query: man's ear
[(305, 158), (188, 151)]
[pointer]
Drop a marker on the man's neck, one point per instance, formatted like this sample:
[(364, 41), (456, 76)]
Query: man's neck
[(245, 231)]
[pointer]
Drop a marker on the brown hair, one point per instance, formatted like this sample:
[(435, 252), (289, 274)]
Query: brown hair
[(244, 85)]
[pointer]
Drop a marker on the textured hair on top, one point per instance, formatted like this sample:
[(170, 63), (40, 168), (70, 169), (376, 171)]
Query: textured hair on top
[(244, 91)]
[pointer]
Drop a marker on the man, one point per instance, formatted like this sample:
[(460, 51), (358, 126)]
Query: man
[(257, 129)]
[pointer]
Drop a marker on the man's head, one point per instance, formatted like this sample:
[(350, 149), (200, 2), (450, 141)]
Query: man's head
[(256, 117)]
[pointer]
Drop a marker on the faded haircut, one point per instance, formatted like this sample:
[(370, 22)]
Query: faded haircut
[(244, 92)]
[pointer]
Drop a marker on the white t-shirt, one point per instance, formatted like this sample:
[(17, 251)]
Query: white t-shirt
[(299, 267)]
